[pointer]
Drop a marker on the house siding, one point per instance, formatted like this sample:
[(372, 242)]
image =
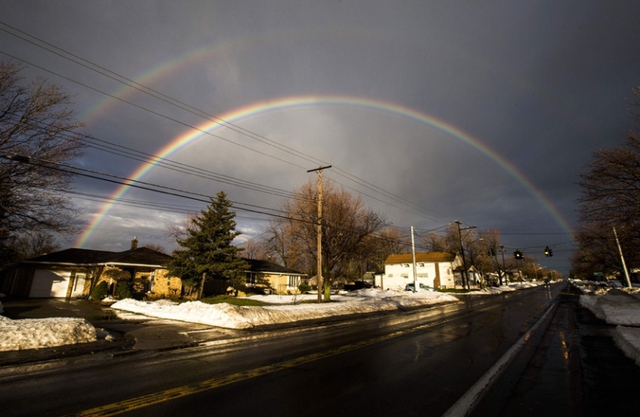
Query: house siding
[(71, 265), (438, 274)]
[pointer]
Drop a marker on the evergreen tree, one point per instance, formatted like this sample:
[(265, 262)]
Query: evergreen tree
[(208, 252)]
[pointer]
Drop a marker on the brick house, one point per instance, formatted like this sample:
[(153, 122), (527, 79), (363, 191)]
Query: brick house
[(73, 273), (282, 280)]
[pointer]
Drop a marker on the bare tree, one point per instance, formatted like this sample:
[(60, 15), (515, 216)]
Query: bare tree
[(279, 243), (37, 132), (34, 243), (156, 247), (346, 224), (435, 242), (491, 245), (611, 198), (255, 249)]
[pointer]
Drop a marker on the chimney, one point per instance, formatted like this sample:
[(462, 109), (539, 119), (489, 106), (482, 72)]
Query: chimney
[(134, 243)]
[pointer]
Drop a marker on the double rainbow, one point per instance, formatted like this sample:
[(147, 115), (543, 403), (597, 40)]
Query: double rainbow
[(284, 103)]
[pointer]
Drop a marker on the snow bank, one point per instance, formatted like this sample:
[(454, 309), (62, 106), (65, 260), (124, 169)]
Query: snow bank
[(628, 340), (504, 288), (243, 317), (42, 333), (619, 306), (616, 307)]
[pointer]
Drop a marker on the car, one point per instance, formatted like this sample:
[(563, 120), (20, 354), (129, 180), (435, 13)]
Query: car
[(422, 287)]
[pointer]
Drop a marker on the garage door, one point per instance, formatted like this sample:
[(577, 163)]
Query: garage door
[(49, 283)]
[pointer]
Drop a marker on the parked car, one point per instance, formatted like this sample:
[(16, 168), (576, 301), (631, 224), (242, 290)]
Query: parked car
[(422, 287)]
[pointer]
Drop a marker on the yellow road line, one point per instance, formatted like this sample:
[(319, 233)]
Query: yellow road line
[(186, 390)]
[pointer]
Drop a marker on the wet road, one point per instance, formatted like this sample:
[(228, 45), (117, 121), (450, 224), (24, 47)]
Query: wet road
[(574, 370), (419, 362)]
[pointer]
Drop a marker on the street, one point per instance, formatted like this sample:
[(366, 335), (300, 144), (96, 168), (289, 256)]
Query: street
[(576, 370), (418, 362)]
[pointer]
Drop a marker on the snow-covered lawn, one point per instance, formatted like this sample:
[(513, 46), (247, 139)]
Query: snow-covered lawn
[(623, 311), (283, 309)]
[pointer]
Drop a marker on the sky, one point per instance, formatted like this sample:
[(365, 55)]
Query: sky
[(432, 111)]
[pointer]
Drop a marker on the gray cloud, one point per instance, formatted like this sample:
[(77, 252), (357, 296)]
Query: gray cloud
[(540, 85)]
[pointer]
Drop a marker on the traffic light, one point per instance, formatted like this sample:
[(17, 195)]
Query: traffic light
[(518, 255), (548, 252)]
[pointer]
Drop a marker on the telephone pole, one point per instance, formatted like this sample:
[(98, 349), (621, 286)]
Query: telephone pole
[(465, 274), (624, 265), (413, 258), (319, 275)]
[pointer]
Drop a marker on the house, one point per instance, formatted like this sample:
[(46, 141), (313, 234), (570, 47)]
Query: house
[(434, 269), (267, 274), (73, 273)]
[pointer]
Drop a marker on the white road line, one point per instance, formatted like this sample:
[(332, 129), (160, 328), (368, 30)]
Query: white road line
[(470, 399)]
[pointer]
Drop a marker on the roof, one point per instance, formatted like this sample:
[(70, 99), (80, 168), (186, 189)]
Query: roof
[(141, 256), (75, 256), (426, 257), (258, 265)]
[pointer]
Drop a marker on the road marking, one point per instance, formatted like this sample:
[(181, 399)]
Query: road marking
[(186, 390), (470, 399)]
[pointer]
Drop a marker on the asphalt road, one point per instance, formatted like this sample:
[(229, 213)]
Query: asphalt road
[(418, 362), (574, 370)]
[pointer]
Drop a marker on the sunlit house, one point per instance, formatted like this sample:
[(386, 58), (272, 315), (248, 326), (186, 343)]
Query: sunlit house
[(436, 270), (73, 273), (271, 277)]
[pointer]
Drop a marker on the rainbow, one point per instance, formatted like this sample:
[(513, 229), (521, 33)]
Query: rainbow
[(284, 103)]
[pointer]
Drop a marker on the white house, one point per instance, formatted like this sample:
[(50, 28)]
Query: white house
[(434, 269)]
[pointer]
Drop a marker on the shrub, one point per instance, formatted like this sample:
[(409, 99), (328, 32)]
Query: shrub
[(123, 290), (304, 288), (100, 291)]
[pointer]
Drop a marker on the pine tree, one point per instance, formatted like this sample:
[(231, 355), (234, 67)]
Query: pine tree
[(208, 251)]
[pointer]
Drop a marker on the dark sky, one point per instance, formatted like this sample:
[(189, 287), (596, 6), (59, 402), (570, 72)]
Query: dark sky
[(483, 112)]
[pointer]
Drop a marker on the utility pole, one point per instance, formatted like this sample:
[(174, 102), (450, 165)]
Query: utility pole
[(319, 275), (413, 254), (502, 250), (624, 265), (465, 276)]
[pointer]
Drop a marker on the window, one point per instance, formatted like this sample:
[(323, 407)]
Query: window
[(405, 275), (294, 281), (251, 278)]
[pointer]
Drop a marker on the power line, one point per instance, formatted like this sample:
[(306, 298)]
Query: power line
[(177, 103), (109, 147)]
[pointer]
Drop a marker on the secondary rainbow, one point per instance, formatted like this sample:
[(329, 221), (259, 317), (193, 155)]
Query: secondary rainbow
[(262, 107)]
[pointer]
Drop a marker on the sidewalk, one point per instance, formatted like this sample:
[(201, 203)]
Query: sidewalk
[(115, 336)]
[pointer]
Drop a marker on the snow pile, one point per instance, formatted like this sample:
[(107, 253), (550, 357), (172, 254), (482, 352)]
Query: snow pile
[(243, 317), (43, 333), (616, 307), (504, 288), (620, 306), (628, 340)]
